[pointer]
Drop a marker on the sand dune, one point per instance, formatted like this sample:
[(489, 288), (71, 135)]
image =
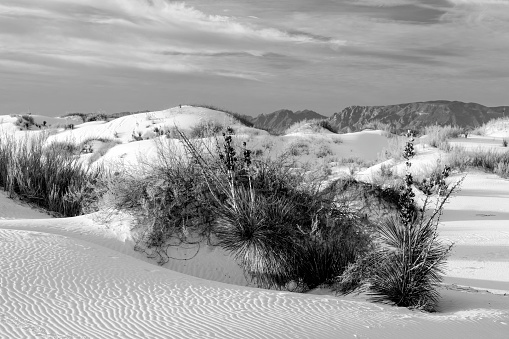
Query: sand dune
[(55, 286), (81, 278)]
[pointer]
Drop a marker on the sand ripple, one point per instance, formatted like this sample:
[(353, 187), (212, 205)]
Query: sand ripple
[(53, 286)]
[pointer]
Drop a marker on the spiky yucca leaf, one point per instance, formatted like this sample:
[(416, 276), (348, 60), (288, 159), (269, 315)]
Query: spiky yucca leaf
[(258, 231), (409, 265)]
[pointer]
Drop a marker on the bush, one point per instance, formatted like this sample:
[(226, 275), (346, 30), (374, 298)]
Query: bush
[(323, 151), (298, 148), (407, 265), (51, 177), (270, 218), (437, 135), (168, 199), (326, 124), (316, 125), (394, 149), (205, 129), (504, 142), (243, 119), (486, 159), (25, 121)]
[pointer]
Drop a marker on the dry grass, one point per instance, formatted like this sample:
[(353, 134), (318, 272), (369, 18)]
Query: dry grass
[(51, 176)]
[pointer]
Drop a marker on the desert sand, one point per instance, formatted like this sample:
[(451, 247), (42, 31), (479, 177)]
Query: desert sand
[(81, 278)]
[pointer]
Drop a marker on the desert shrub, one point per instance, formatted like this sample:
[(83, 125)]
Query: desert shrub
[(394, 149), (205, 129), (298, 148), (488, 160), (324, 123), (243, 119), (270, 218), (437, 135), (49, 176), (97, 117), (103, 148), (323, 151), (315, 124), (407, 265), (168, 199), (378, 125), (25, 121), (68, 147)]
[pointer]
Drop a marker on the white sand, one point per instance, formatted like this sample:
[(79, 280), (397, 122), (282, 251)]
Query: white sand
[(77, 278)]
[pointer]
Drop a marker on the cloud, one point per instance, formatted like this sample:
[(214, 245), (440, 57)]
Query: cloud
[(131, 33), (293, 50)]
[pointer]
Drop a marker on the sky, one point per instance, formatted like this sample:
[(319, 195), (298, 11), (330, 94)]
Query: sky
[(252, 57)]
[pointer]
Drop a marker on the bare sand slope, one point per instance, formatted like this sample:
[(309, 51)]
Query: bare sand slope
[(477, 221), (60, 287)]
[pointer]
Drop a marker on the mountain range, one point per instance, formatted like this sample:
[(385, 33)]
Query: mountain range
[(400, 117)]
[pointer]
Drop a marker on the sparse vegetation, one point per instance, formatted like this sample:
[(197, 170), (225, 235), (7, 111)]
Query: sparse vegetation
[(206, 129), (323, 151), (316, 125), (298, 148), (488, 160), (25, 121), (406, 266), (243, 119), (437, 136), (50, 176)]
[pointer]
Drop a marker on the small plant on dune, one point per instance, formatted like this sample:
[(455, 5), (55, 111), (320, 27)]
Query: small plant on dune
[(488, 160), (50, 176), (326, 124), (437, 136), (206, 129), (298, 148), (316, 125), (323, 151), (407, 266), (243, 119)]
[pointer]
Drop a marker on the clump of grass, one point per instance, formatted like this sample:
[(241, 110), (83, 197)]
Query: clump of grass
[(243, 119), (25, 121), (316, 125), (394, 149), (323, 151), (407, 265), (298, 148), (50, 176), (437, 136), (488, 160), (205, 129), (103, 148)]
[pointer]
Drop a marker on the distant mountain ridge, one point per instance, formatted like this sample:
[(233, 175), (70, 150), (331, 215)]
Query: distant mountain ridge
[(283, 118), (416, 115)]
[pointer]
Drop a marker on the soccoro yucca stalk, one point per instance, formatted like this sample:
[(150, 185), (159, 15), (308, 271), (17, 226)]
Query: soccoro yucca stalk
[(408, 266)]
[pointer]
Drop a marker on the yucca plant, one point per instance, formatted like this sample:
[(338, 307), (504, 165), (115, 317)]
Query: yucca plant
[(408, 266)]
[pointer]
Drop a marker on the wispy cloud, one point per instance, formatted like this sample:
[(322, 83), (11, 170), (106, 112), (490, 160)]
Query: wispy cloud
[(289, 49)]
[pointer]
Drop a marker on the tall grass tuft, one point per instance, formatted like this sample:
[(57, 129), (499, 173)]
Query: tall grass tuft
[(488, 160), (48, 175), (437, 135), (407, 265)]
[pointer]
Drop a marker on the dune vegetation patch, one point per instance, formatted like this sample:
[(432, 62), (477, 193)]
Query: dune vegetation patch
[(488, 160), (51, 176), (313, 125)]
